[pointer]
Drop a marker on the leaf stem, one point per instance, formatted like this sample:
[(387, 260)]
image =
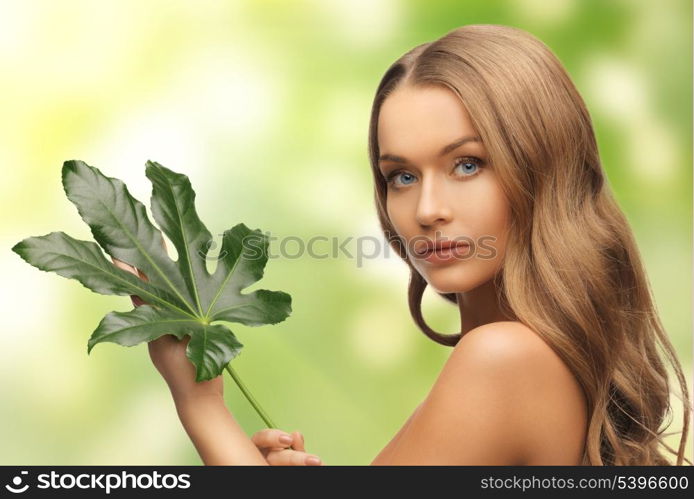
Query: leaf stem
[(249, 396)]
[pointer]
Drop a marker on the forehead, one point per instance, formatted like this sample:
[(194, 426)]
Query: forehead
[(415, 119)]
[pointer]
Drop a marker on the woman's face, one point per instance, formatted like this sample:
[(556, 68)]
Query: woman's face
[(441, 188)]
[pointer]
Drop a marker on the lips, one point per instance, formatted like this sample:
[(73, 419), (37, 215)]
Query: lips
[(426, 248)]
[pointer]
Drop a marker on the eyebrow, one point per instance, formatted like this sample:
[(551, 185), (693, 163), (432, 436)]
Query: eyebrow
[(444, 151)]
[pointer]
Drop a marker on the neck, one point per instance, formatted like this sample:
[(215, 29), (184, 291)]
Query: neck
[(480, 306)]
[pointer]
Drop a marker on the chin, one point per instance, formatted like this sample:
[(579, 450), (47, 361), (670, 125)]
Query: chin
[(454, 278)]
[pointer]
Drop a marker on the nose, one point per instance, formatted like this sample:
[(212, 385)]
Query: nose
[(432, 207)]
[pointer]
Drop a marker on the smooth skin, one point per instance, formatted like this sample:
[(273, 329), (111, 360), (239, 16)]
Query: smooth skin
[(503, 397), (454, 196)]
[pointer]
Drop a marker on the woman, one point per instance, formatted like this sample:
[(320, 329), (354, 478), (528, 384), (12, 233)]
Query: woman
[(489, 185)]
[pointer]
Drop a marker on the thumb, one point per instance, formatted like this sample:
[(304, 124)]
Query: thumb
[(298, 441)]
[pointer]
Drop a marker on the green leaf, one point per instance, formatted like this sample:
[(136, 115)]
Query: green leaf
[(84, 261), (182, 296), (119, 223), (144, 323), (242, 259), (210, 345), (173, 206)]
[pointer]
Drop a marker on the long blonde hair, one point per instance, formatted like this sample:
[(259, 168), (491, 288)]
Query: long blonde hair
[(572, 270)]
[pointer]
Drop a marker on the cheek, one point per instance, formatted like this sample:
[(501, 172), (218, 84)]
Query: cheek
[(490, 219), (496, 219), (497, 225), (392, 214), (402, 218), (397, 214)]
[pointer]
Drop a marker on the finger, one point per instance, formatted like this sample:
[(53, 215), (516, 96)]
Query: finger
[(271, 438), (129, 268), (298, 441), (169, 341), (142, 275), (124, 266), (137, 301), (289, 457)]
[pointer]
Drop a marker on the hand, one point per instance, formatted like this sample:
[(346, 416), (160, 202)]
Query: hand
[(278, 453), (168, 355)]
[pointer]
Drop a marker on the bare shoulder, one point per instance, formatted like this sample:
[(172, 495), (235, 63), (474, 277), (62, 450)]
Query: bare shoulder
[(506, 344), (502, 398), (547, 394)]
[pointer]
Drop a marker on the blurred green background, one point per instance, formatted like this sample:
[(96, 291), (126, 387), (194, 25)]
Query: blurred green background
[(265, 106)]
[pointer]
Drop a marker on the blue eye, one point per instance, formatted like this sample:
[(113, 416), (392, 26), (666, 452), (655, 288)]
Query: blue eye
[(470, 166), (466, 163), (404, 175)]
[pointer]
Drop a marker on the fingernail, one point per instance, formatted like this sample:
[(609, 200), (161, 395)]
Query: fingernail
[(313, 461), (286, 439)]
